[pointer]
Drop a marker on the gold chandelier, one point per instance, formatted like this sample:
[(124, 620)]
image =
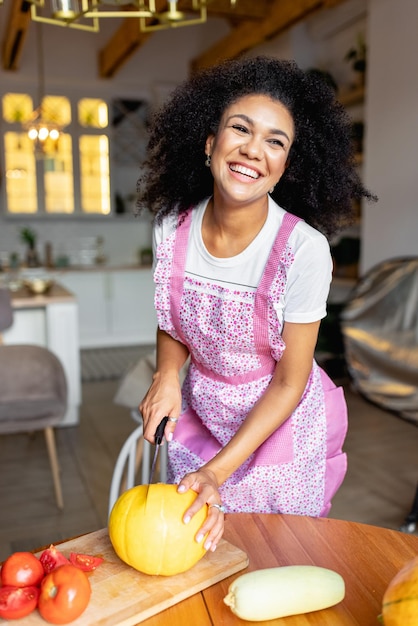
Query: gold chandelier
[(174, 18), (86, 14)]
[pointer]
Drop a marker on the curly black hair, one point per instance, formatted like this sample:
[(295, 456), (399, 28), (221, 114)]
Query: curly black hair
[(321, 181)]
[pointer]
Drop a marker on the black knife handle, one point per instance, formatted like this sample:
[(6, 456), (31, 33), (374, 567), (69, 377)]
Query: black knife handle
[(159, 433)]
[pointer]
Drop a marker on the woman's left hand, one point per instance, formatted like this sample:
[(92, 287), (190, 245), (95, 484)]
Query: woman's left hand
[(206, 486)]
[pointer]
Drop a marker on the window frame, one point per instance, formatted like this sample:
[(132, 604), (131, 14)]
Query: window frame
[(75, 130)]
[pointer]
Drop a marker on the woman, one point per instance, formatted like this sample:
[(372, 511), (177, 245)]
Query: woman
[(250, 167)]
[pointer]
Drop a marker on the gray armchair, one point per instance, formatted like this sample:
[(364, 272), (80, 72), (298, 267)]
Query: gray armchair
[(380, 330), (33, 391)]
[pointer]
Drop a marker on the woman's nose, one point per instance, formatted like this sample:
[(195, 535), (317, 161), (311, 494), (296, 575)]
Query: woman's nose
[(252, 148)]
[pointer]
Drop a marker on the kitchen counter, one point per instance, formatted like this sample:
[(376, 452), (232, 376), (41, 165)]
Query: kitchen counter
[(23, 298), (104, 267)]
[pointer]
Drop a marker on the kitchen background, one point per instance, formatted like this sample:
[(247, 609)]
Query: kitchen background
[(388, 228), (382, 448)]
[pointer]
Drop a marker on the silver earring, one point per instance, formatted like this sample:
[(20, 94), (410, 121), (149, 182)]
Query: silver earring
[(208, 160), (272, 189)]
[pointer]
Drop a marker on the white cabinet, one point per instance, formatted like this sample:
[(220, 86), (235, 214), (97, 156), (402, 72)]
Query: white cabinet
[(116, 306), (90, 291), (132, 316)]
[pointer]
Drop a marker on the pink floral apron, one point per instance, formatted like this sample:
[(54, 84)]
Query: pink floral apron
[(234, 341)]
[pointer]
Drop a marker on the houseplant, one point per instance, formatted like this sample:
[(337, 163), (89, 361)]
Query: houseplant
[(29, 237)]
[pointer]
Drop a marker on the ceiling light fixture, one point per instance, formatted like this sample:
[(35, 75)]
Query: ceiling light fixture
[(42, 130), (86, 14), (173, 18)]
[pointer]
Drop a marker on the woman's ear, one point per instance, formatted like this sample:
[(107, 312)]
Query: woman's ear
[(208, 144)]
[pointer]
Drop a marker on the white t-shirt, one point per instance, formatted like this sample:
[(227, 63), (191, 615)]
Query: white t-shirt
[(308, 279)]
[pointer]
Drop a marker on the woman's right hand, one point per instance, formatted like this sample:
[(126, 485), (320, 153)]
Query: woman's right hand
[(162, 399)]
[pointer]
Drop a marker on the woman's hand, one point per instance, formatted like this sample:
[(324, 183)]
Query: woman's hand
[(205, 484), (162, 399)]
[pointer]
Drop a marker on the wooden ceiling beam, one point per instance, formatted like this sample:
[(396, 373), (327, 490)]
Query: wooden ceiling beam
[(15, 34), (282, 15), (121, 46), (243, 9), (128, 38), (255, 23)]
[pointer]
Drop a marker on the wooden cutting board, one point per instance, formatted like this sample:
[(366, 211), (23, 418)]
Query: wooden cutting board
[(121, 596)]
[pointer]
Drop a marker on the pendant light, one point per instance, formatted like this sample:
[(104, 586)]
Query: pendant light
[(43, 131)]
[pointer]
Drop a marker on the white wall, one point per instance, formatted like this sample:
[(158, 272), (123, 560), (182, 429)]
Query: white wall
[(390, 227)]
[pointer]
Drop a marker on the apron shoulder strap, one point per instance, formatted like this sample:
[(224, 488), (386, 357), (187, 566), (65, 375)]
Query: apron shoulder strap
[(260, 306), (178, 268)]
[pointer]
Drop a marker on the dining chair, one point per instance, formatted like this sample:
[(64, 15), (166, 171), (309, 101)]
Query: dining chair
[(135, 452), (33, 391)]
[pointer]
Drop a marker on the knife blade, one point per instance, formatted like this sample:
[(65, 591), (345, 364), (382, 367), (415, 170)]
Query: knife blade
[(159, 433)]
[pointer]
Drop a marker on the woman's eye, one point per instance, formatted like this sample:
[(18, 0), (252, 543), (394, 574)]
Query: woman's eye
[(238, 127), (277, 142)]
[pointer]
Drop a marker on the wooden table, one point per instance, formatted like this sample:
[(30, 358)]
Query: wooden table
[(367, 557)]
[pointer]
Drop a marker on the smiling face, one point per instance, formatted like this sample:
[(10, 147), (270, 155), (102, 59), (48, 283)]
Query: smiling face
[(250, 150)]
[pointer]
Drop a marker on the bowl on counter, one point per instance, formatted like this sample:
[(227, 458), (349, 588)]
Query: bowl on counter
[(37, 282), (38, 286)]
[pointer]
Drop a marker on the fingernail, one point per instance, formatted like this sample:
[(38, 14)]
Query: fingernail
[(199, 538), (169, 437), (213, 548), (207, 545), (181, 488), (186, 519)]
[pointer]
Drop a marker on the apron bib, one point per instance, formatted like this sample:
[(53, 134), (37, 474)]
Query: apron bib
[(195, 442)]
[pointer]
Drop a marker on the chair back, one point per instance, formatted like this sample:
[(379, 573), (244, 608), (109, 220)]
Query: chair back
[(124, 472), (6, 309), (134, 451)]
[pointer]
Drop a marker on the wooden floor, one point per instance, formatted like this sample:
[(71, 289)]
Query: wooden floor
[(378, 489)]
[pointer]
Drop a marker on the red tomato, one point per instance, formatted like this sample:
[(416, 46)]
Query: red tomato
[(22, 569), (17, 602), (52, 558), (85, 562), (65, 594)]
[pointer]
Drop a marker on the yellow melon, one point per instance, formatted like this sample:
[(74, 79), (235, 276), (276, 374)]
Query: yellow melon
[(147, 531), (400, 600)]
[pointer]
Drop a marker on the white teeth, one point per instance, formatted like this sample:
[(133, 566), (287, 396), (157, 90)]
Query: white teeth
[(244, 170)]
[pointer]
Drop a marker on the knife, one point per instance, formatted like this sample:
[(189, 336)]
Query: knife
[(159, 433)]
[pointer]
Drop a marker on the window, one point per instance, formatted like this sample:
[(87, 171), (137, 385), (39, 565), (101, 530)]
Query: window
[(94, 168), (47, 176), (20, 173), (92, 113)]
